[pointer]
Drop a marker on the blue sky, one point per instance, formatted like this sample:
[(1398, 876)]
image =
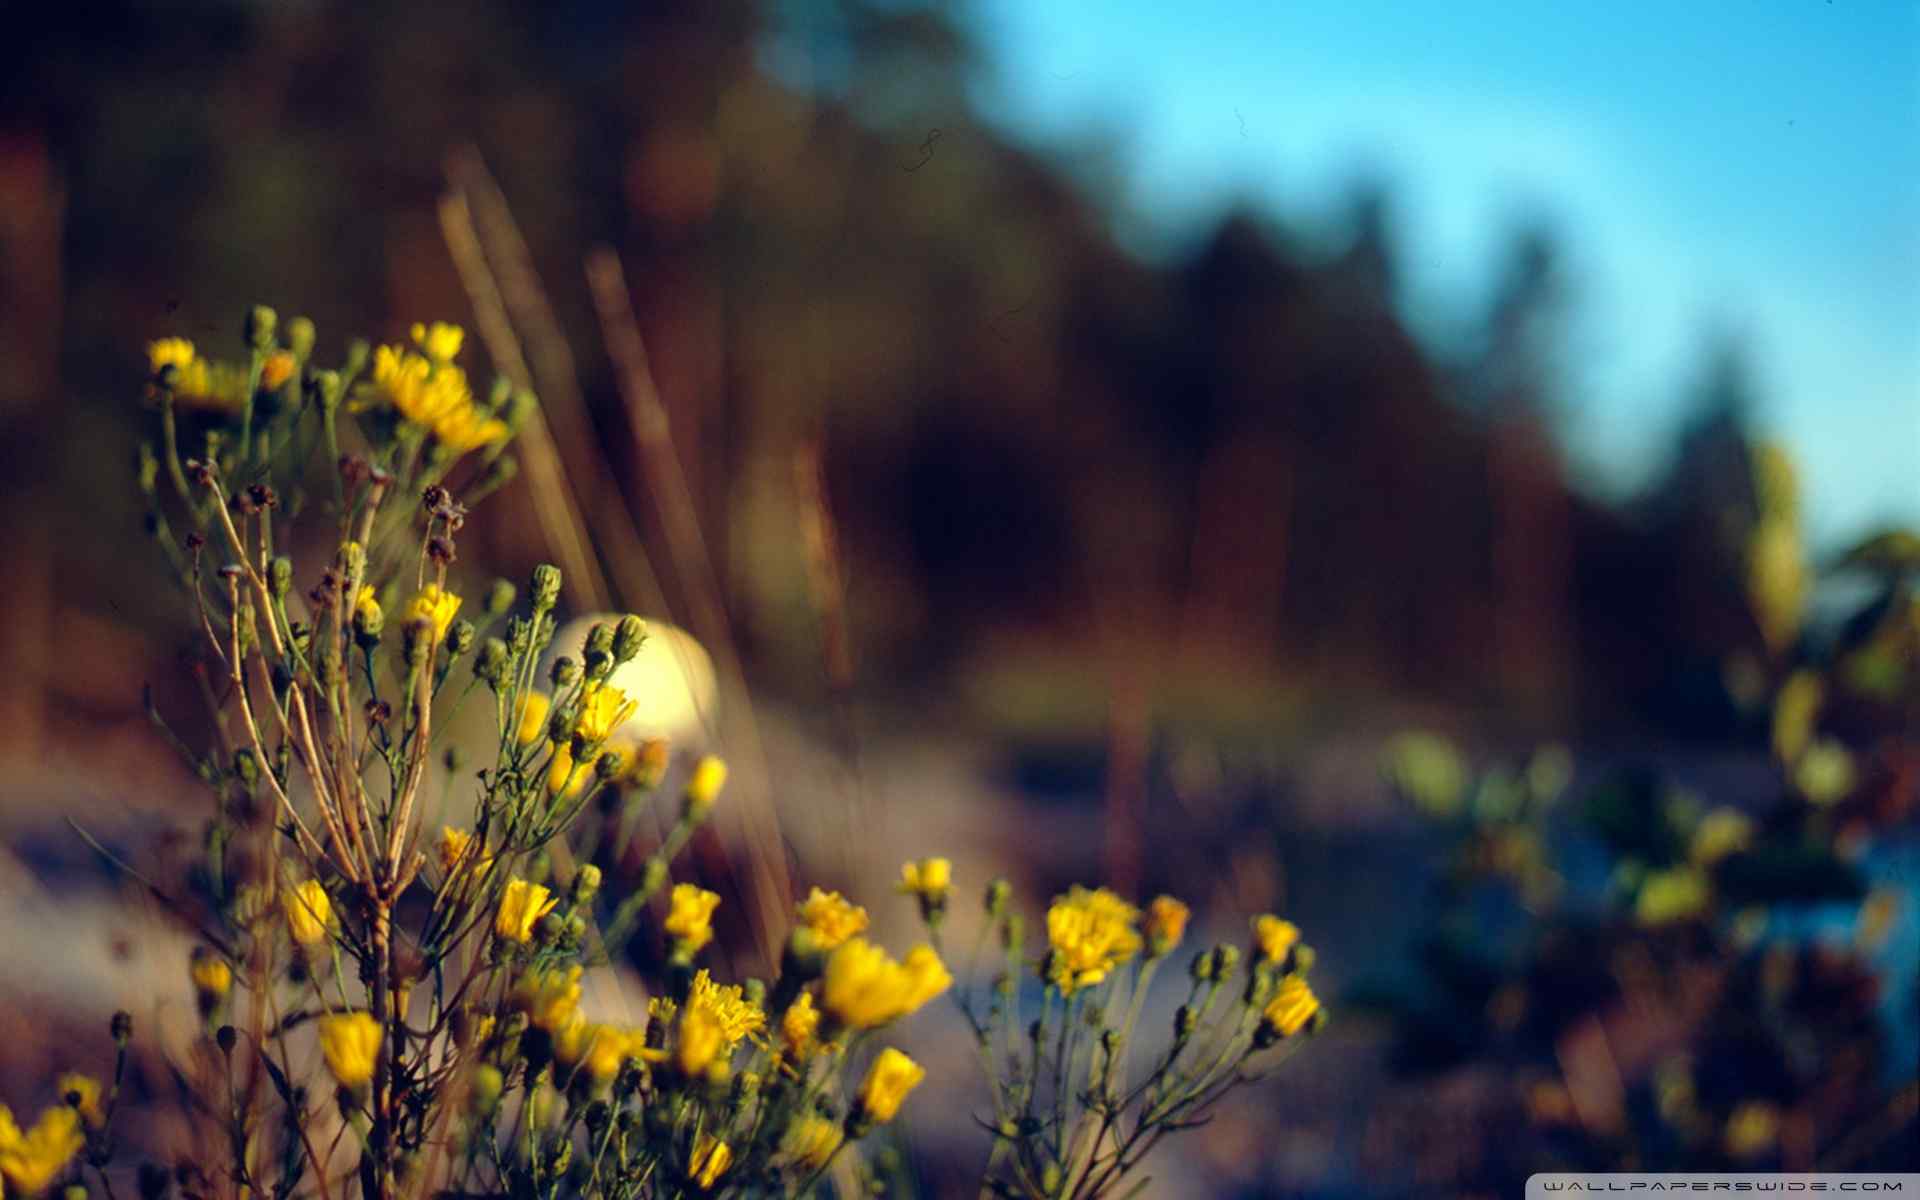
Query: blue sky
[(1741, 165)]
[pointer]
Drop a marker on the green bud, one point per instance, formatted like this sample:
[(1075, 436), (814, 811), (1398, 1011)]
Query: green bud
[(300, 337), (598, 651), (520, 409), (358, 352), (628, 636), (1184, 1022), (564, 672), (586, 883), (1202, 966), (259, 328), (1013, 933), (996, 898), (460, 637), (546, 587), (500, 598), (1303, 958), (490, 665), (1226, 959), (246, 766), (608, 765), (488, 1083), (653, 875), (280, 576)]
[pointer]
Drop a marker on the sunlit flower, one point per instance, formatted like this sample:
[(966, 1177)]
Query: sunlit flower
[(309, 912), (531, 724), (212, 977), (727, 1006), (811, 1141), (800, 1027), (436, 606), (432, 395), (1273, 937), (521, 905), (1090, 932), (550, 998), (863, 987), (690, 916), (83, 1093), (929, 878), (831, 918), (1292, 1006), (603, 709), (30, 1161), (439, 341), (1166, 924), (350, 1043), (710, 1160), (888, 1081)]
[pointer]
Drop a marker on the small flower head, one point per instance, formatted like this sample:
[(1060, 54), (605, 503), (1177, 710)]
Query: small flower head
[(810, 1141), (1722, 832), (888, 1081), (458, 852), (703, 786), (551, 998), (1166, 924), (169, 352), (350, 1043), (439, 341), (727, 1007), (531, 724), (690, 917), (368, 620), (309, 912), (212, 977), (1089, 934), (929, 878), (276, 370), (603, 709), (521, 907), (30, 1161), (1273, 938), (831, 918), (433, 395), (435, 606), (701, 1041), (800, 1028), (82, 1092), (864, 988), (710, 1161), (1292, 1007)]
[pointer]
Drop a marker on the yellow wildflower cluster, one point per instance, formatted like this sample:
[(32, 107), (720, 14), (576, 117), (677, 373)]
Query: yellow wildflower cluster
[(1090, 932), (198, 382), (432, 393), (831, 918), (726, 1006), (864, 988)]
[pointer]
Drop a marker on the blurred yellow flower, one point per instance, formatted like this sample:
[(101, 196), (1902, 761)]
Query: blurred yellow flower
[(1166, 924), (690, 916), (83, 1093), (864, 988), (1672, 895), (701, 1040), (1752, 1129), (439, 341), (550, 998), (1091, 932), (457, 852), (888, 1081), (350, 1042), (1778, 580), (1722, 832), (169, 352), (30, 1161), (811, 1141), (309, 912), (600, 1050), (521, 905), (1825, 773), (1274, 937), (1795, 709), (800, 1027), (211, 975), (832, 918), (366, 608), (565, 780), (929, 878), (531, 723), (1292, 1006), (276, 370), (710, 1160), (703, 786), (603, 709), (436, 606)]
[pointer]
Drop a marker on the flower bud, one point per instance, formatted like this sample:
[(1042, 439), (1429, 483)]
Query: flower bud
[(586, 884), (703, 787), (500, 598), (490, 665), (546, 587), (259, 327), (300, 337), (280, 576), (628, 635), (598, 651), (997, 893), (1202, 966), (488, 1083), (1184, 1022), (460, 637), (564, 672)]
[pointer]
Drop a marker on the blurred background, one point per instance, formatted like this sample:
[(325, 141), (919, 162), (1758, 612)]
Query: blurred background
[(1086, 434)]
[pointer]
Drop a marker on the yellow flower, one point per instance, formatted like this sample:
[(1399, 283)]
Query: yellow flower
[(703, 786), (711, 1158), (521, 905), (811, 1141), (799, 1027), (690, 920), (599, 1049), (1825, 772), (211, 975), (888, 1081), (564, 780), (531, 724), (929, 879), (31, 1161), (1752, 1129), (436, 606), (169, 352), (1166, 924), (83, 1093), (864, 988), (1672, 895), (734, 1015), (457, 852), (366, 609), (550, 998), (439, 341), (701, 1040), (276, 370), (1721, 832), (1292, 1006), (1274, 937), (351, 1044), (433, 395), (1091, 933), (603, 709), (831, 918), (309, 912)]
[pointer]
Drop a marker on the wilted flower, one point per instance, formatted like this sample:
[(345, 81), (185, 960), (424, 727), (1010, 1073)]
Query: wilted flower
[(1090, 932), (350, 1043), (521, 905), (888, 1081)]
